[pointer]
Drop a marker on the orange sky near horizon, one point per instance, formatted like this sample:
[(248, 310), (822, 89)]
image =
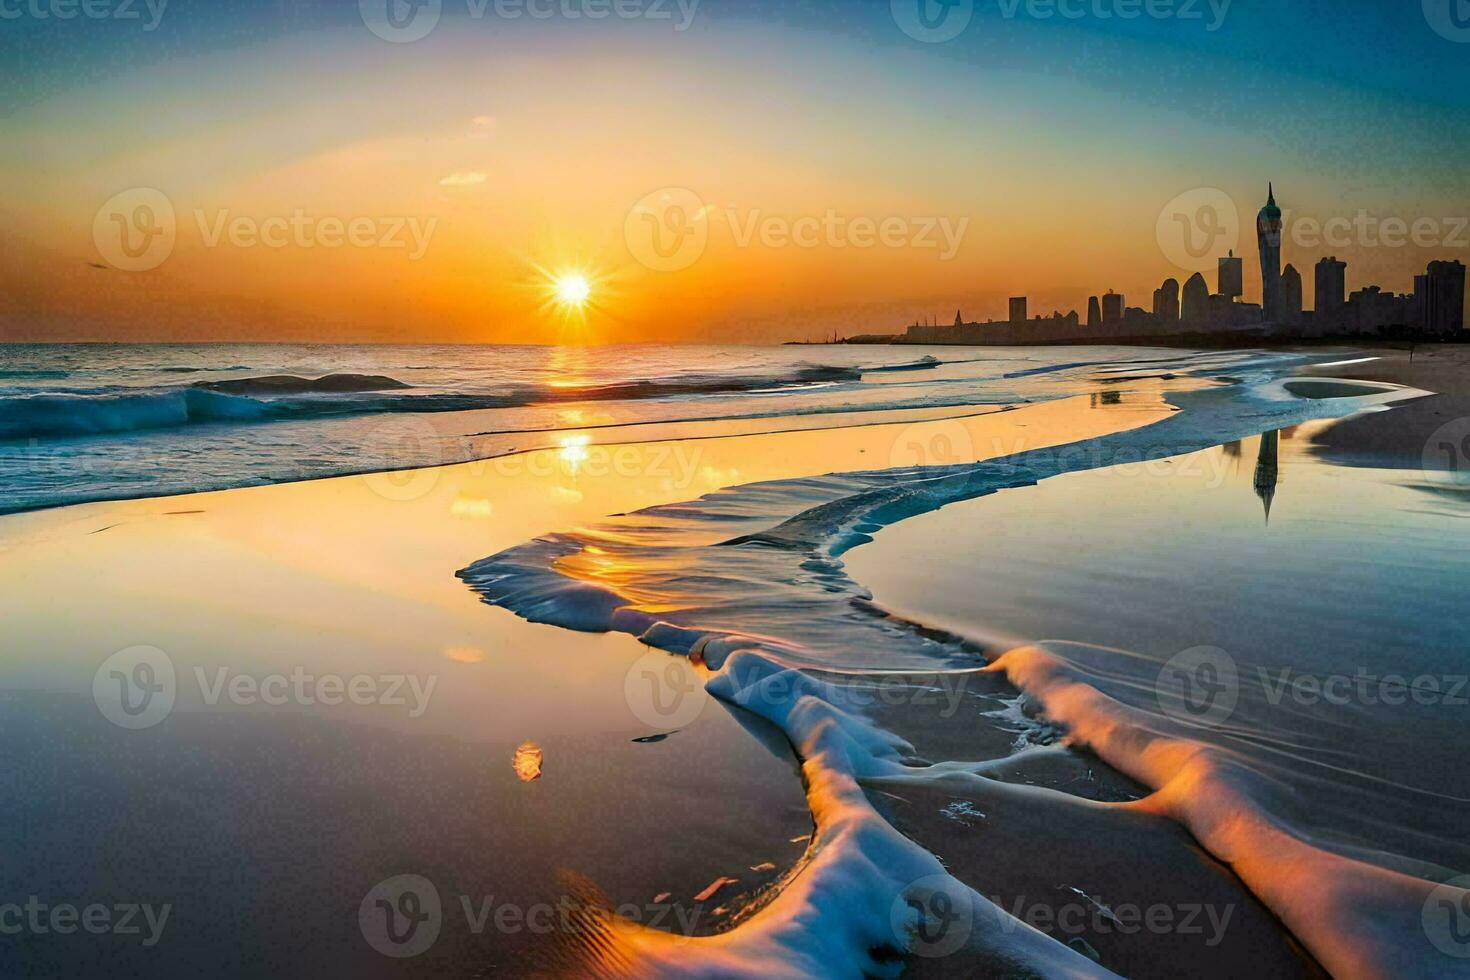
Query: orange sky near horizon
[(406, 198)]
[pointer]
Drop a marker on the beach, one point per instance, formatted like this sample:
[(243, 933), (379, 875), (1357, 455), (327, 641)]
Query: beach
[(789, 676)]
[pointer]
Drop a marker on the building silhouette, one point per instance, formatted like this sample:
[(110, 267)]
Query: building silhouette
[(1231, 276), (1331, 288), (1370, 309), (1166, 302), (1443, 292), (1018, 311), (1433, 310), (1195, 305), (1268, 242), (1291, 295)]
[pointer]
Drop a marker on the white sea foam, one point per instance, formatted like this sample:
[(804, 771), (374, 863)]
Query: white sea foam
[(770, 601), (1357, 919), (867, 899)]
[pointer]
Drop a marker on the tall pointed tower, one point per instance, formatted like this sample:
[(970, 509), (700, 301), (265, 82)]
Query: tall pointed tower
[(1268, 241)]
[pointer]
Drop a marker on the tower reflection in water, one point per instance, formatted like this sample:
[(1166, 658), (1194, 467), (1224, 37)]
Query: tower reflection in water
[(1267, 466)]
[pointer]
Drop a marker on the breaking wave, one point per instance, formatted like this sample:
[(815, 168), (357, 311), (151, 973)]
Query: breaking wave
[(281, 397)]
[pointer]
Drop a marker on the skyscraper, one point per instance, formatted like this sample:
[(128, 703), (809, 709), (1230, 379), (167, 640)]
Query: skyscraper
[(1231, 277), (1268, 241), (1291, 295), (1444, 297), (1196, 304), (1166, 302), (1112, 307), (1018, 311), (1094, 312), (1331, 292)]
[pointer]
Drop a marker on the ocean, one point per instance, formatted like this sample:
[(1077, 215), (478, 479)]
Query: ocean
[(83, 422)]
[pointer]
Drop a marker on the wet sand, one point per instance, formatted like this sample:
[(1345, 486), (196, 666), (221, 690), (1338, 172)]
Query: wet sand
[(284, 816), (1405, 437), (1328, 549)]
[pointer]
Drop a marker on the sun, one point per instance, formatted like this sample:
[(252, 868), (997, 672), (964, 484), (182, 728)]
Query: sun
[(572, 293), (572, 289)]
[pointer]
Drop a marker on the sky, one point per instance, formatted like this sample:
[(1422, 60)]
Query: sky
[(715, 171)]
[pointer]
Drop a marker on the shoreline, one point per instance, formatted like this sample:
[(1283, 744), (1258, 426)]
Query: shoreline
[(330, 580), (1199, 341), (354, 576), (520, 578)]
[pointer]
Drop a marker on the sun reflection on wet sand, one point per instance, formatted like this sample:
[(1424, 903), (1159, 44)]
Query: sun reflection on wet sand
[(464, 655), (633, 561), (573, 451), (527, 761)]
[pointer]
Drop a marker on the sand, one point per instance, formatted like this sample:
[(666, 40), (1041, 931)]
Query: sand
[(287, 815), (1405, 437)]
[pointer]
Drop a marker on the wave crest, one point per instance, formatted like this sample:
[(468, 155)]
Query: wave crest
[(269, 398)]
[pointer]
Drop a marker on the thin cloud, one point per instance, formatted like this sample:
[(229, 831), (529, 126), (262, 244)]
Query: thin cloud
[(467, 179)]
